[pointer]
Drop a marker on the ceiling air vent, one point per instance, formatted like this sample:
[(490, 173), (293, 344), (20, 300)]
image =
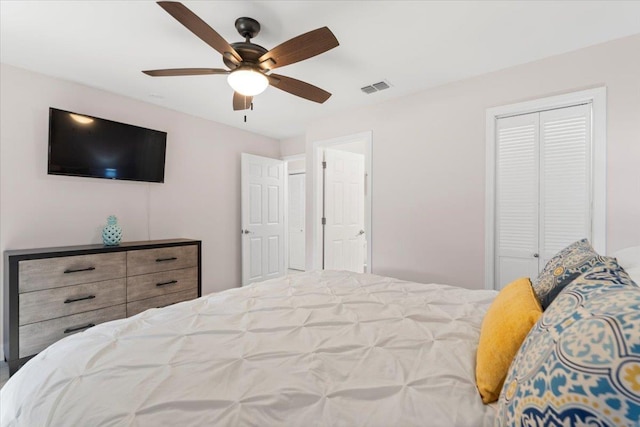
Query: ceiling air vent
[(376, 87)]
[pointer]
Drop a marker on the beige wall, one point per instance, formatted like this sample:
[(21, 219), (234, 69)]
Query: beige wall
[(429, 160), (292, 146), (200, 198), (296, 166)]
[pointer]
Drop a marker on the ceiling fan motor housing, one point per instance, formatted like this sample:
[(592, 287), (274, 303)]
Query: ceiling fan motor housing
[(250, 53)]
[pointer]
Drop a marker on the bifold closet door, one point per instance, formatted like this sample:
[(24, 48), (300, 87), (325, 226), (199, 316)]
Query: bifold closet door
[(543, 188), (517, 165), (565, 178)]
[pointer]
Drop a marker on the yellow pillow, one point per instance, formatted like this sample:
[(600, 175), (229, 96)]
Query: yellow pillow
[(507, 322)]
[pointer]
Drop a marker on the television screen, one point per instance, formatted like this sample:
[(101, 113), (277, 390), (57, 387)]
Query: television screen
[(81, 145)]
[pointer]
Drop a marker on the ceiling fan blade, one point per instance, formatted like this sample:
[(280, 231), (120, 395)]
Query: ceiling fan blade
[(241, 102), (198, 27), (298, 88), (299, 48), (185, 72)]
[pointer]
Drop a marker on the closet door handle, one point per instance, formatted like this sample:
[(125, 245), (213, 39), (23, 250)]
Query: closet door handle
[(166, 259), (67, 271), (536, 255), (79, 328), (68, 300)]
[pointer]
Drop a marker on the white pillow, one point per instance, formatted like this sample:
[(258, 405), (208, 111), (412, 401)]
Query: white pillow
[(629, 259)]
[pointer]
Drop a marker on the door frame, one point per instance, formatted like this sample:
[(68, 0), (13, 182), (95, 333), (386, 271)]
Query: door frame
[(286, 160), (316, 198), (598, 99)]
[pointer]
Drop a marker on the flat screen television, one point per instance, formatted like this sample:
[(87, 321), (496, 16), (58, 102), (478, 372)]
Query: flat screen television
[(81, 145)]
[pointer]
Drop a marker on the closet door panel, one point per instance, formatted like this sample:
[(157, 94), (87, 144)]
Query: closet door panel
[(517, 165), (565, 178)]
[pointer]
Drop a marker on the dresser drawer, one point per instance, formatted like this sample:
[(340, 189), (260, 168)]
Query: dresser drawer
[(136, 307), (38, 274), (165, 282), (35, 337), (53, 303), (161, 259)]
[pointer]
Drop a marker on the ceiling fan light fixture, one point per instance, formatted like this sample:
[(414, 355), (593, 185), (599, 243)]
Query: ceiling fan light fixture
[(248, 62), (247, 81)]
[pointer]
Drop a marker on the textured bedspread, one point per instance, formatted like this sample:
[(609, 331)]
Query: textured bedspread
[(315, 349)]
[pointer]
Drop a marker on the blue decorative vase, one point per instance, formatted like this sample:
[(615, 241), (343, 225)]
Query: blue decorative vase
[(112, 232)]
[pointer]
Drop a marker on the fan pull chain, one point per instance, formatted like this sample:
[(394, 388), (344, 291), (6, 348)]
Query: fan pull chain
[(251, 108)]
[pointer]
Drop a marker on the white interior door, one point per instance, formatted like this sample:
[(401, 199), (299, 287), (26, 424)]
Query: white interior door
[(297, 221), (344, 235), (262, 186), (517, 164)]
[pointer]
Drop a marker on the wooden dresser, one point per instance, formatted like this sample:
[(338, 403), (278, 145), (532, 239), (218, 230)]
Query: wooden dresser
[(52, 293)]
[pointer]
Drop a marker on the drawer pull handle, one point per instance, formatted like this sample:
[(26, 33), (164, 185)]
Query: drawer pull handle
[(79, 328), (170, 282), (68, 300), (166, 259), (78, 270)]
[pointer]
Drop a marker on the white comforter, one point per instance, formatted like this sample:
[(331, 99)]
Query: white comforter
[(315, 349)]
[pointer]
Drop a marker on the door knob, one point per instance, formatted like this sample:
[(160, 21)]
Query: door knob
[(245, 231), (536, 255), (360, 233)]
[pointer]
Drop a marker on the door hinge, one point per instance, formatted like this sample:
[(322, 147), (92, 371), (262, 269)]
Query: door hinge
[(324, 165), (324, 221)]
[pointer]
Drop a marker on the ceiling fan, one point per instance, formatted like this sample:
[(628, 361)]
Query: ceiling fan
[(249, 64)]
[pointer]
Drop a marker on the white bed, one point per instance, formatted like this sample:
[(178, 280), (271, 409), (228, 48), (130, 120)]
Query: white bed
[(322, 348)]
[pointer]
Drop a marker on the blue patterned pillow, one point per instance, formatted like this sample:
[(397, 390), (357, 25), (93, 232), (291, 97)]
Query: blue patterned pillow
[(565, 266), (597, 261), (580, 363)]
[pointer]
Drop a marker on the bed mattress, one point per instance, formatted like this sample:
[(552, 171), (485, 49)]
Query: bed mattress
[(314, 349)]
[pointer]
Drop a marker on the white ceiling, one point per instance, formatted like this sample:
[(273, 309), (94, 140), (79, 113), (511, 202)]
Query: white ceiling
[(414, 45)]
